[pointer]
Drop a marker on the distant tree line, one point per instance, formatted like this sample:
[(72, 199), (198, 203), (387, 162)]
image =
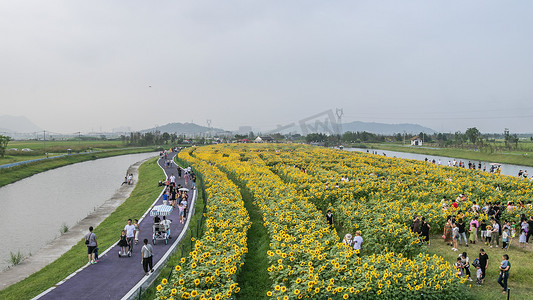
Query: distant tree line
[(151, 138), (471, 138)]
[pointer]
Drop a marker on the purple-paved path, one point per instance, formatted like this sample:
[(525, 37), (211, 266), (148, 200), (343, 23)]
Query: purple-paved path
[(113, 277)]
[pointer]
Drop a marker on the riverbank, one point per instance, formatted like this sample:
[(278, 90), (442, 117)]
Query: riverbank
[(504, 158), (13, 174), (134, 206), (62, 244)]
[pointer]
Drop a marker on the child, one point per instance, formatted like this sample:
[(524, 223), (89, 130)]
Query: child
[(505, 238), (483, 228), (523, 238), (455, 235), (347, 240), (459, 267), (123, 243), (181, 209), (488, 235), (479, 273), (466, 265)]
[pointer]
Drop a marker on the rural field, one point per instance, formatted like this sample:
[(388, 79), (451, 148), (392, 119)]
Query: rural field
[(53, 148), (295, 253)]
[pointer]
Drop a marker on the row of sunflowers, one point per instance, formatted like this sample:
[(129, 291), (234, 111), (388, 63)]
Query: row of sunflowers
[(307, 258), (396, 188), (210, 269)]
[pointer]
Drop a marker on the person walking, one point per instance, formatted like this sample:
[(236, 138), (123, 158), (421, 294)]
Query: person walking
[(483, 263), (92, 243), (357, 242), (137, 231), (495, 235), (530, 232), (462, 232), (130, 234), (329, 218), (474, 224), (146, 254), (425, 230), (447, 234), (504, 272)]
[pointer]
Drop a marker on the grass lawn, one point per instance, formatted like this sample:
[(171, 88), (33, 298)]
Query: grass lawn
[(10, 175), (253, 278), (520, 277), (8, 159), (525, 160), (62, 146), (144, 194)]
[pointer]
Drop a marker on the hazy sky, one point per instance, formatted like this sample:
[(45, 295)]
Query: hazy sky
[(87, 65)]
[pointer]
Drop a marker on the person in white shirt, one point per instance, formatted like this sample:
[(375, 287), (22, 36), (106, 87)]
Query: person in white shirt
[(357, 241), (172, 179), (166, 223), (130, 234)]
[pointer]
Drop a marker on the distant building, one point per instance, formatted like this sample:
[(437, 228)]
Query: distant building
[(416, 141), (263, 139)]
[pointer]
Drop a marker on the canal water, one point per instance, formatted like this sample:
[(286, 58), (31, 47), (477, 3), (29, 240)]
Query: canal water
[(35, 208), (507, 169)]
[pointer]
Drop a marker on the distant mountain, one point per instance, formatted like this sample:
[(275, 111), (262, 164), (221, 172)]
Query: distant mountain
[(183, 128), (17, 124), (386, 129)]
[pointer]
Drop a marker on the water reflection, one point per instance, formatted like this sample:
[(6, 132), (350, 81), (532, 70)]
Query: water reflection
[(506, 169)]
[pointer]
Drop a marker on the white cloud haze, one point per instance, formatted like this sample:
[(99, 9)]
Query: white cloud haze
[(81, 65)]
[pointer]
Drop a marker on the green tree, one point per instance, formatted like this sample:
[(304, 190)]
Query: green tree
[(473, 134), (4, 140)]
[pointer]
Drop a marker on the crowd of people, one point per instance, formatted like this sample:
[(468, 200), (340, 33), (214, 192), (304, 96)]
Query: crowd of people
[(174, 195), (485, 226)]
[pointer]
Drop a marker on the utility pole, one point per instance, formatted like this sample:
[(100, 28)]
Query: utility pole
[(79, 138), (44, 141)]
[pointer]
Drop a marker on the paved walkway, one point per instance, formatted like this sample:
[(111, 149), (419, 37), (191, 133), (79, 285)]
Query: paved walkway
[(62, 244), (114, 277)]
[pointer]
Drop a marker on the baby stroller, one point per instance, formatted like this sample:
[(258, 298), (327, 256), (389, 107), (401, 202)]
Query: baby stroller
[(160, 231)]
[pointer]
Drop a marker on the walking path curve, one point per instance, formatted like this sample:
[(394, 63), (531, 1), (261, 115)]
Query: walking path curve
[(114, 277), (62, 244)]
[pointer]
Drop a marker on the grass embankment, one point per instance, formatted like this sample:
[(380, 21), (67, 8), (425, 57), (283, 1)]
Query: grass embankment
[(195, 230), (515, 159), (253, 278), (519, 282), (144, 194), (62, 146), (10, 175)]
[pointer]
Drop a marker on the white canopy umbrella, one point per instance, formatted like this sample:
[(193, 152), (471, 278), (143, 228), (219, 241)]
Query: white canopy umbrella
[(161, 210)]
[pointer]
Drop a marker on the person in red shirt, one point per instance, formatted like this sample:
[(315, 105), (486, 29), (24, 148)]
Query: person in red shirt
[(454, 204)]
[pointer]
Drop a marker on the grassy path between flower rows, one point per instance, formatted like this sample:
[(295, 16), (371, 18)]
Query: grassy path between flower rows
[(514, 159), (520, 277), (139, 201), (13, 174), (253, 278)]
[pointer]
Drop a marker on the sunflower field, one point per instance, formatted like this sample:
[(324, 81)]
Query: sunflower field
[(293, 186)]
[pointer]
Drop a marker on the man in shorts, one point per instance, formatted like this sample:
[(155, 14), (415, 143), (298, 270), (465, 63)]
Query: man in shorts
[(130, 234), (92, 243)]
